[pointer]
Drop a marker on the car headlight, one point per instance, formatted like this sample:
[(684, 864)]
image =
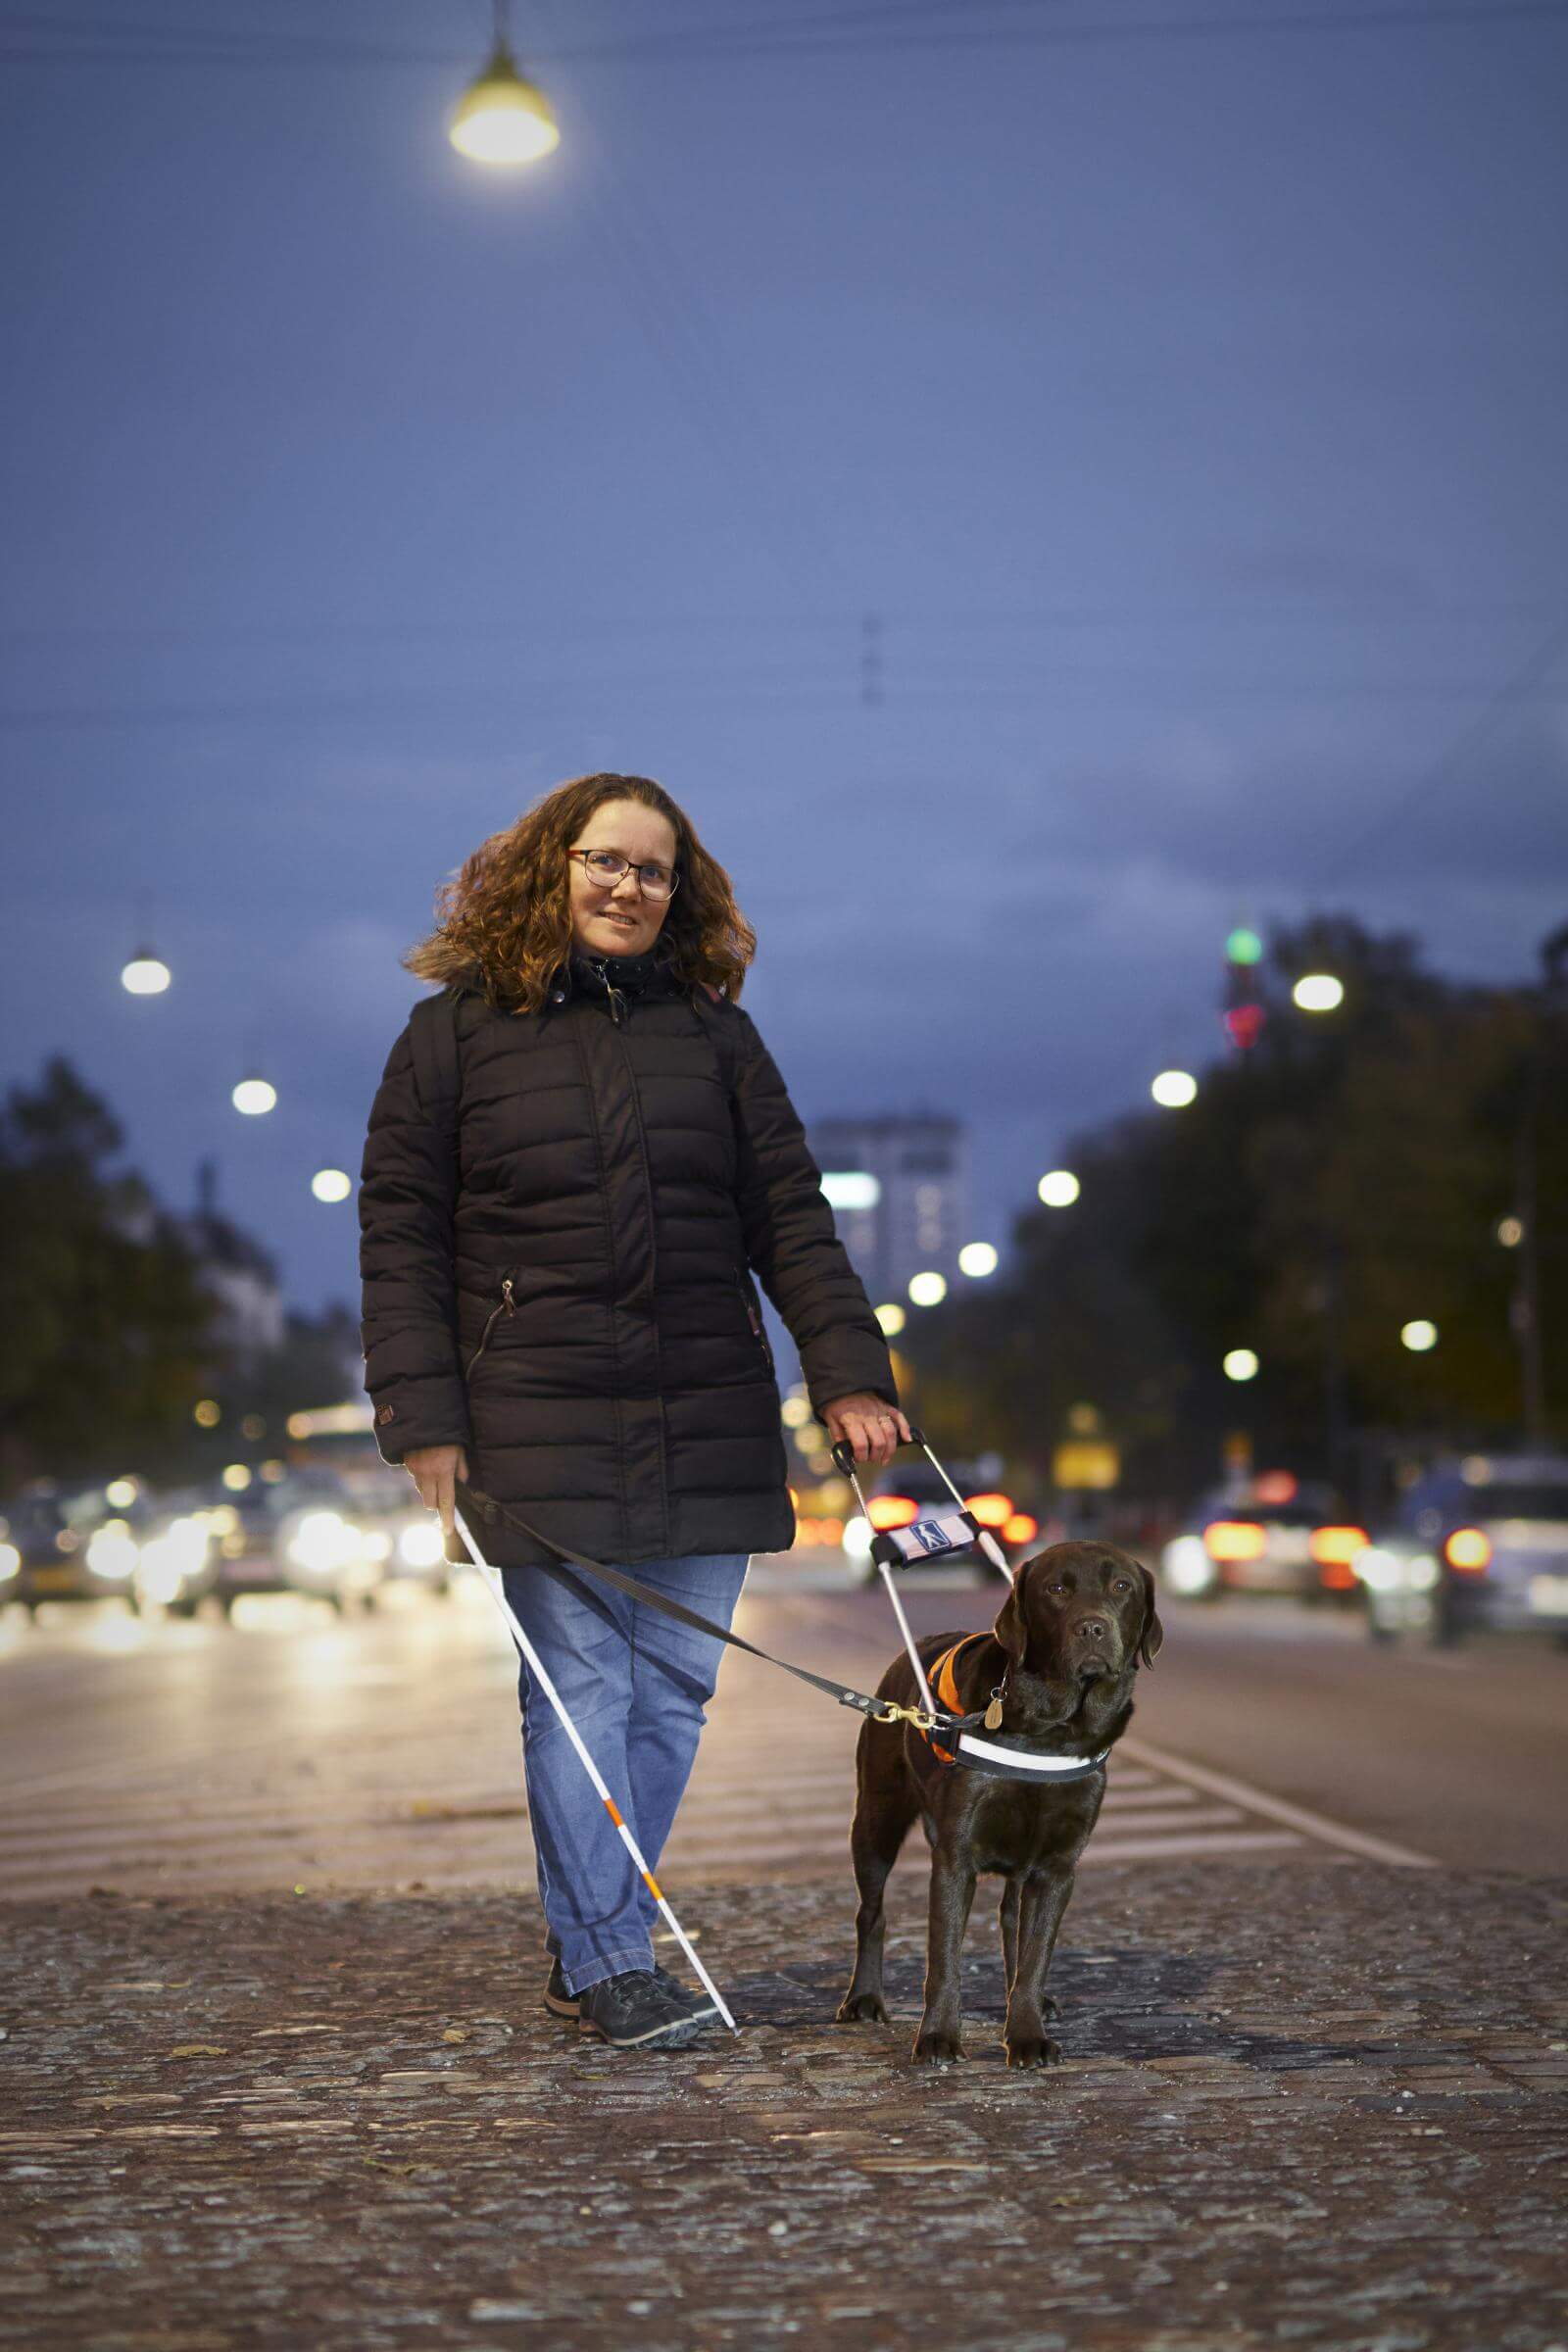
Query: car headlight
[(1187, 1565), (112, 1551), (422, 1545), (857, 1538), (10, 1561), (323, 1542), (162, 1568)]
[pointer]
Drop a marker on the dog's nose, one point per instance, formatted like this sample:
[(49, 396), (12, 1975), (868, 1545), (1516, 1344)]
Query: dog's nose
[(1091, 1629)]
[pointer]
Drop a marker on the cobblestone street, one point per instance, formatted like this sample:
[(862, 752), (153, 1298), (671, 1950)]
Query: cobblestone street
[(1316, 2104)]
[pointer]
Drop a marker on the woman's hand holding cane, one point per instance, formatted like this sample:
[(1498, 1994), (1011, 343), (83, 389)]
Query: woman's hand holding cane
[(435, 1470)]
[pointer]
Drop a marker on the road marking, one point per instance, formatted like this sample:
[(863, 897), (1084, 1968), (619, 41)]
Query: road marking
[(1297, 1816)]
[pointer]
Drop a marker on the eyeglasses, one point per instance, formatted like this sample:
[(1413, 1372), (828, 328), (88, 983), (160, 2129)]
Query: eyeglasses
[(606, 868)]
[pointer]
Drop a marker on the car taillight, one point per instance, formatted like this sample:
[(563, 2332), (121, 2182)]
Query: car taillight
[(1334, 1550), (891, 1510), (1020, 1529), (1235, 1540), (1333, 1546), (1469, 1550), (992, 1511)]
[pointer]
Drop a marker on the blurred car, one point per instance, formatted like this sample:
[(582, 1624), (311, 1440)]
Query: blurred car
[(71, 1543), (178, 1558), (1269, 1534), (898, 1494), (1477, 1545), (296, 1533), (399, 1531)]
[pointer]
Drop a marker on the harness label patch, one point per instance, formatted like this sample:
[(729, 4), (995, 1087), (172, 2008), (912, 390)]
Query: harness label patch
[(930, 1534)]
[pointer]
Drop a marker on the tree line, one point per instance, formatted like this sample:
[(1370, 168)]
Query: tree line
[(1346, 1175)]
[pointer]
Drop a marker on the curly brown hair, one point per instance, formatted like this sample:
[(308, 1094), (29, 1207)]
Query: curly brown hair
[(504, 922)]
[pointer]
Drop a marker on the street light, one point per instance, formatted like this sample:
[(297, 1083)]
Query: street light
[(1419, 1336), (1241, 1364), (977, 1259), (330, 1184), (1319, 992), (502, 117), (1174, 1089), (892, 1319), (1059, 1188), (252, 1096), (145, 975), (928, 1289)]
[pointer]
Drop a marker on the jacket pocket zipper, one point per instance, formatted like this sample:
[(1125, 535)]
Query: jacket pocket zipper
[(754, 1319), (507, 1307)]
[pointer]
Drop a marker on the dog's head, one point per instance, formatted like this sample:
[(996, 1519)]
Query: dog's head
[(1078, 1612)]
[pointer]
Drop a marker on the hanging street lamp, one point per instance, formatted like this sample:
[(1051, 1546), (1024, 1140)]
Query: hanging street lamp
[(503, 117)]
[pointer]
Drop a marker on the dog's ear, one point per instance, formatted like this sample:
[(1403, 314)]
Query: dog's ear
[(1009, 1628), (1154, 1633)]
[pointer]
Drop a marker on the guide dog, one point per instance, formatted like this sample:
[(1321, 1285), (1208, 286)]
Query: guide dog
[(1057, 1668)]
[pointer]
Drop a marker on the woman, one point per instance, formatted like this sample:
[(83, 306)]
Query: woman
[(561, 1312)]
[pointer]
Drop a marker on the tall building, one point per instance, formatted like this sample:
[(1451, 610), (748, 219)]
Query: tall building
[(910, 1209), (237, 1269)]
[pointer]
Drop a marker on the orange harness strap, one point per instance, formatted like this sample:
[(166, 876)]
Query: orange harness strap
[(945, 1691)]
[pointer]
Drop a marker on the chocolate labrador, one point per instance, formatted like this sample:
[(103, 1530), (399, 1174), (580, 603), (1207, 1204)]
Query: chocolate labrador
[(1061, 1659)]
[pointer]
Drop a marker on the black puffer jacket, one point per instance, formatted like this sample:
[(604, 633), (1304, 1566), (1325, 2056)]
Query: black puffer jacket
[(567, 1296)]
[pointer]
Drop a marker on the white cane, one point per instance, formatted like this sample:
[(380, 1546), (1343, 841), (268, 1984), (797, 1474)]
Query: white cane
[(492, 1578)]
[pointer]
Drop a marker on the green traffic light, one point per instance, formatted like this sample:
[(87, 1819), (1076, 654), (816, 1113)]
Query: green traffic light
[(1244, 947)]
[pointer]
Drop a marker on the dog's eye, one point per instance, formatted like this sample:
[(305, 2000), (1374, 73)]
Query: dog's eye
[(1123, 1584)]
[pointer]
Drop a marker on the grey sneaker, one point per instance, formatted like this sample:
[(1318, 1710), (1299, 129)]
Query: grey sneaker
[(697, 2005), (634, 2009)]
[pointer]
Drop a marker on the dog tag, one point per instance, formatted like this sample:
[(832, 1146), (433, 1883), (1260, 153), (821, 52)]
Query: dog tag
[(993, 1712)]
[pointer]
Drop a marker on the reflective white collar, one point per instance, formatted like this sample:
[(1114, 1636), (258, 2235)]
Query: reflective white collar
[(1020, 1760)]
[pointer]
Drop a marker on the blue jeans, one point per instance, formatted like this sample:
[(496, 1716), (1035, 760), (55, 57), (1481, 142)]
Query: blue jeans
[(636, 1684)]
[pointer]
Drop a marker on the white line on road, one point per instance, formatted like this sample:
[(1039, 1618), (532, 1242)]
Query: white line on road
[(1297, 1817)]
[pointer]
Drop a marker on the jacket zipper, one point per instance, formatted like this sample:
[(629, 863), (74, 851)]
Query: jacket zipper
[(754, 1319), (616, 995), (507, 1306)]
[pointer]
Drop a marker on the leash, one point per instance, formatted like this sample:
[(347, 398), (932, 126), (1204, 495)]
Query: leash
[(877, 1710), (998, 1758)]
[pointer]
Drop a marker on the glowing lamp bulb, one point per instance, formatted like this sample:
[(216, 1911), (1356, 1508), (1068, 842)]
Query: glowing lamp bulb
[(502, 117), (145, 975)]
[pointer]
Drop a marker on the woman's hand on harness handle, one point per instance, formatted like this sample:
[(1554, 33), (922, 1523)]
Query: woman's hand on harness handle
[(871, 1428), (433, 1470)]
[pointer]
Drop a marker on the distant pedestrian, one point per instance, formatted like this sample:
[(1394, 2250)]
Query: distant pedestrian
[(561, 1312)]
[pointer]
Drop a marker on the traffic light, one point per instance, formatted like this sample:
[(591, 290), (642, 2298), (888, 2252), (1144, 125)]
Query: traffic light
[(1242, 1006)]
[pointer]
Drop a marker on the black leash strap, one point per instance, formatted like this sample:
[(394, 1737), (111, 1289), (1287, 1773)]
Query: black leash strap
[(879, 1710)]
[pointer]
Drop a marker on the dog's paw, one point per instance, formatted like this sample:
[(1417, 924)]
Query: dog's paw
[(937, 2049), (862, 2009), (1050, 2006), (1035, 2050)]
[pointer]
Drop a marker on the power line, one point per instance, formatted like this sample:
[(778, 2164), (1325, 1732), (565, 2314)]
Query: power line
[(1525, 681), (842, 34)]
